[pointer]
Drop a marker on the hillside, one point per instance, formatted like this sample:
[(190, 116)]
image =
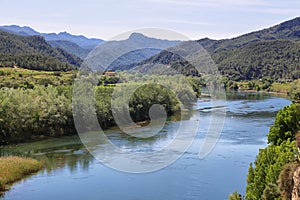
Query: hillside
[(82, 41), (278, 59), (75, 44), (272, 52), (121, 55), (165, 63), (127, 60), (33, 52), (289, 30), (70, 47)]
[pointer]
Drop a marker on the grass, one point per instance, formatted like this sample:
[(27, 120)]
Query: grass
[(281, 87), (14, 168), (19, 77)]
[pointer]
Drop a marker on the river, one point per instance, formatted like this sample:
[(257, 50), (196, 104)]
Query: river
[(72, 173)]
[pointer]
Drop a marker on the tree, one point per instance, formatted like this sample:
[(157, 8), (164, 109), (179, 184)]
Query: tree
[(235, 196), (271, 192), (286, 124), (250, 176)]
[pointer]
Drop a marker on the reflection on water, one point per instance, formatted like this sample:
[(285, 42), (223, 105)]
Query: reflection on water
[(72, 173), (55, 153)]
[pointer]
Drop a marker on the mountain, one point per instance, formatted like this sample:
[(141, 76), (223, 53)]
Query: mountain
[(81, 41), (24, 31), (120, 55), (287, 30), (166, 63), (33, 52), (278, 59), (70, 47), (86, 43), (128, 60), (273, 52)]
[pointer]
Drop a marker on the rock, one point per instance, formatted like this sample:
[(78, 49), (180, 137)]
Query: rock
[(296, 188)]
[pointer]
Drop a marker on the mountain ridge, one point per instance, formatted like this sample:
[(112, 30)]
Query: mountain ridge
[(239, 59), (78, 45), (33, 52)]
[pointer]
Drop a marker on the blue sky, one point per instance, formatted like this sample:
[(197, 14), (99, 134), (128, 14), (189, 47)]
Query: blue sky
[(107, 18)]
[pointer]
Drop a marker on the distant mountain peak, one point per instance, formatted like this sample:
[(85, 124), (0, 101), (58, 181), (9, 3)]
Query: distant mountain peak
[(137, 36), (64, 33), (25, 30), (82, 41)]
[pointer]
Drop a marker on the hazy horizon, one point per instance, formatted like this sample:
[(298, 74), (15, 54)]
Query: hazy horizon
[(216, 19)]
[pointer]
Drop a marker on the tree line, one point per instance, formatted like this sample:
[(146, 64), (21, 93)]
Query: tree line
[(270, 177), (28, 113)]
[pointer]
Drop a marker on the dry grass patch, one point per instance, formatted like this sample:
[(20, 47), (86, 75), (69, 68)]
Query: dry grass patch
[(14, 168)]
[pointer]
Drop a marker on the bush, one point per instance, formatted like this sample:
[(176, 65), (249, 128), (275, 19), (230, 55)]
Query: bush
[(271, 192), (235, 196), (286, 124)]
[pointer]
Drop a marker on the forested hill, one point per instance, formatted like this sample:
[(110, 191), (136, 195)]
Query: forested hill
[(273, 52), (82, 41), (71, 47), (289, 30), (278, 59), (33, 52), (76, 44)]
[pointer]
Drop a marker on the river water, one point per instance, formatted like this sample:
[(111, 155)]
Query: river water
[(72, 173)]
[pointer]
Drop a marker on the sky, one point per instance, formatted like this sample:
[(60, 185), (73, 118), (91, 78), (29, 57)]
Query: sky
[(196, 19)]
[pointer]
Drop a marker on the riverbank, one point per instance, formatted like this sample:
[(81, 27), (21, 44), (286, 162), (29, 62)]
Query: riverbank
[(68, 165), (290, 89), (279, 94), (14, 168)]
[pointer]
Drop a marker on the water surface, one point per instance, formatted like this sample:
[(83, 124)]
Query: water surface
[(72, 173)]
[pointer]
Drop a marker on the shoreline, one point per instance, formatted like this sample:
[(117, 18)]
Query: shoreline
[(16, 168), (265, 92)]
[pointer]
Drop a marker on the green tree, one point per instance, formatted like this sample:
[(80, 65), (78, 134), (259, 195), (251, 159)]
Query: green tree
[(271, 192), (235, 196), (286, 124)]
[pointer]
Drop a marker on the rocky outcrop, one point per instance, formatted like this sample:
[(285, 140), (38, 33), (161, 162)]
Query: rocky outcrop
[(296, 188)]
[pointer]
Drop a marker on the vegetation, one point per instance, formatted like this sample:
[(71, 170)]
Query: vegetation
[(235, 196), (286, 125), (271, 53), (270, 175), (70, 47), (291, 89), (286, 30), (27, 79), (269, 59), (14, 168), (159, 64), (33, 52), (285, 181), (262, 179), (34, 104)]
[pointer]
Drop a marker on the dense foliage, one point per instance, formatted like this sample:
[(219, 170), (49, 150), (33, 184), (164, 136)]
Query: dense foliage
[(268, 165), (285, 125), (278, 60), (159, 64), (287, 30), (269, 53), (34, 112), (263, 176), (43, 108), (33, 52)]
